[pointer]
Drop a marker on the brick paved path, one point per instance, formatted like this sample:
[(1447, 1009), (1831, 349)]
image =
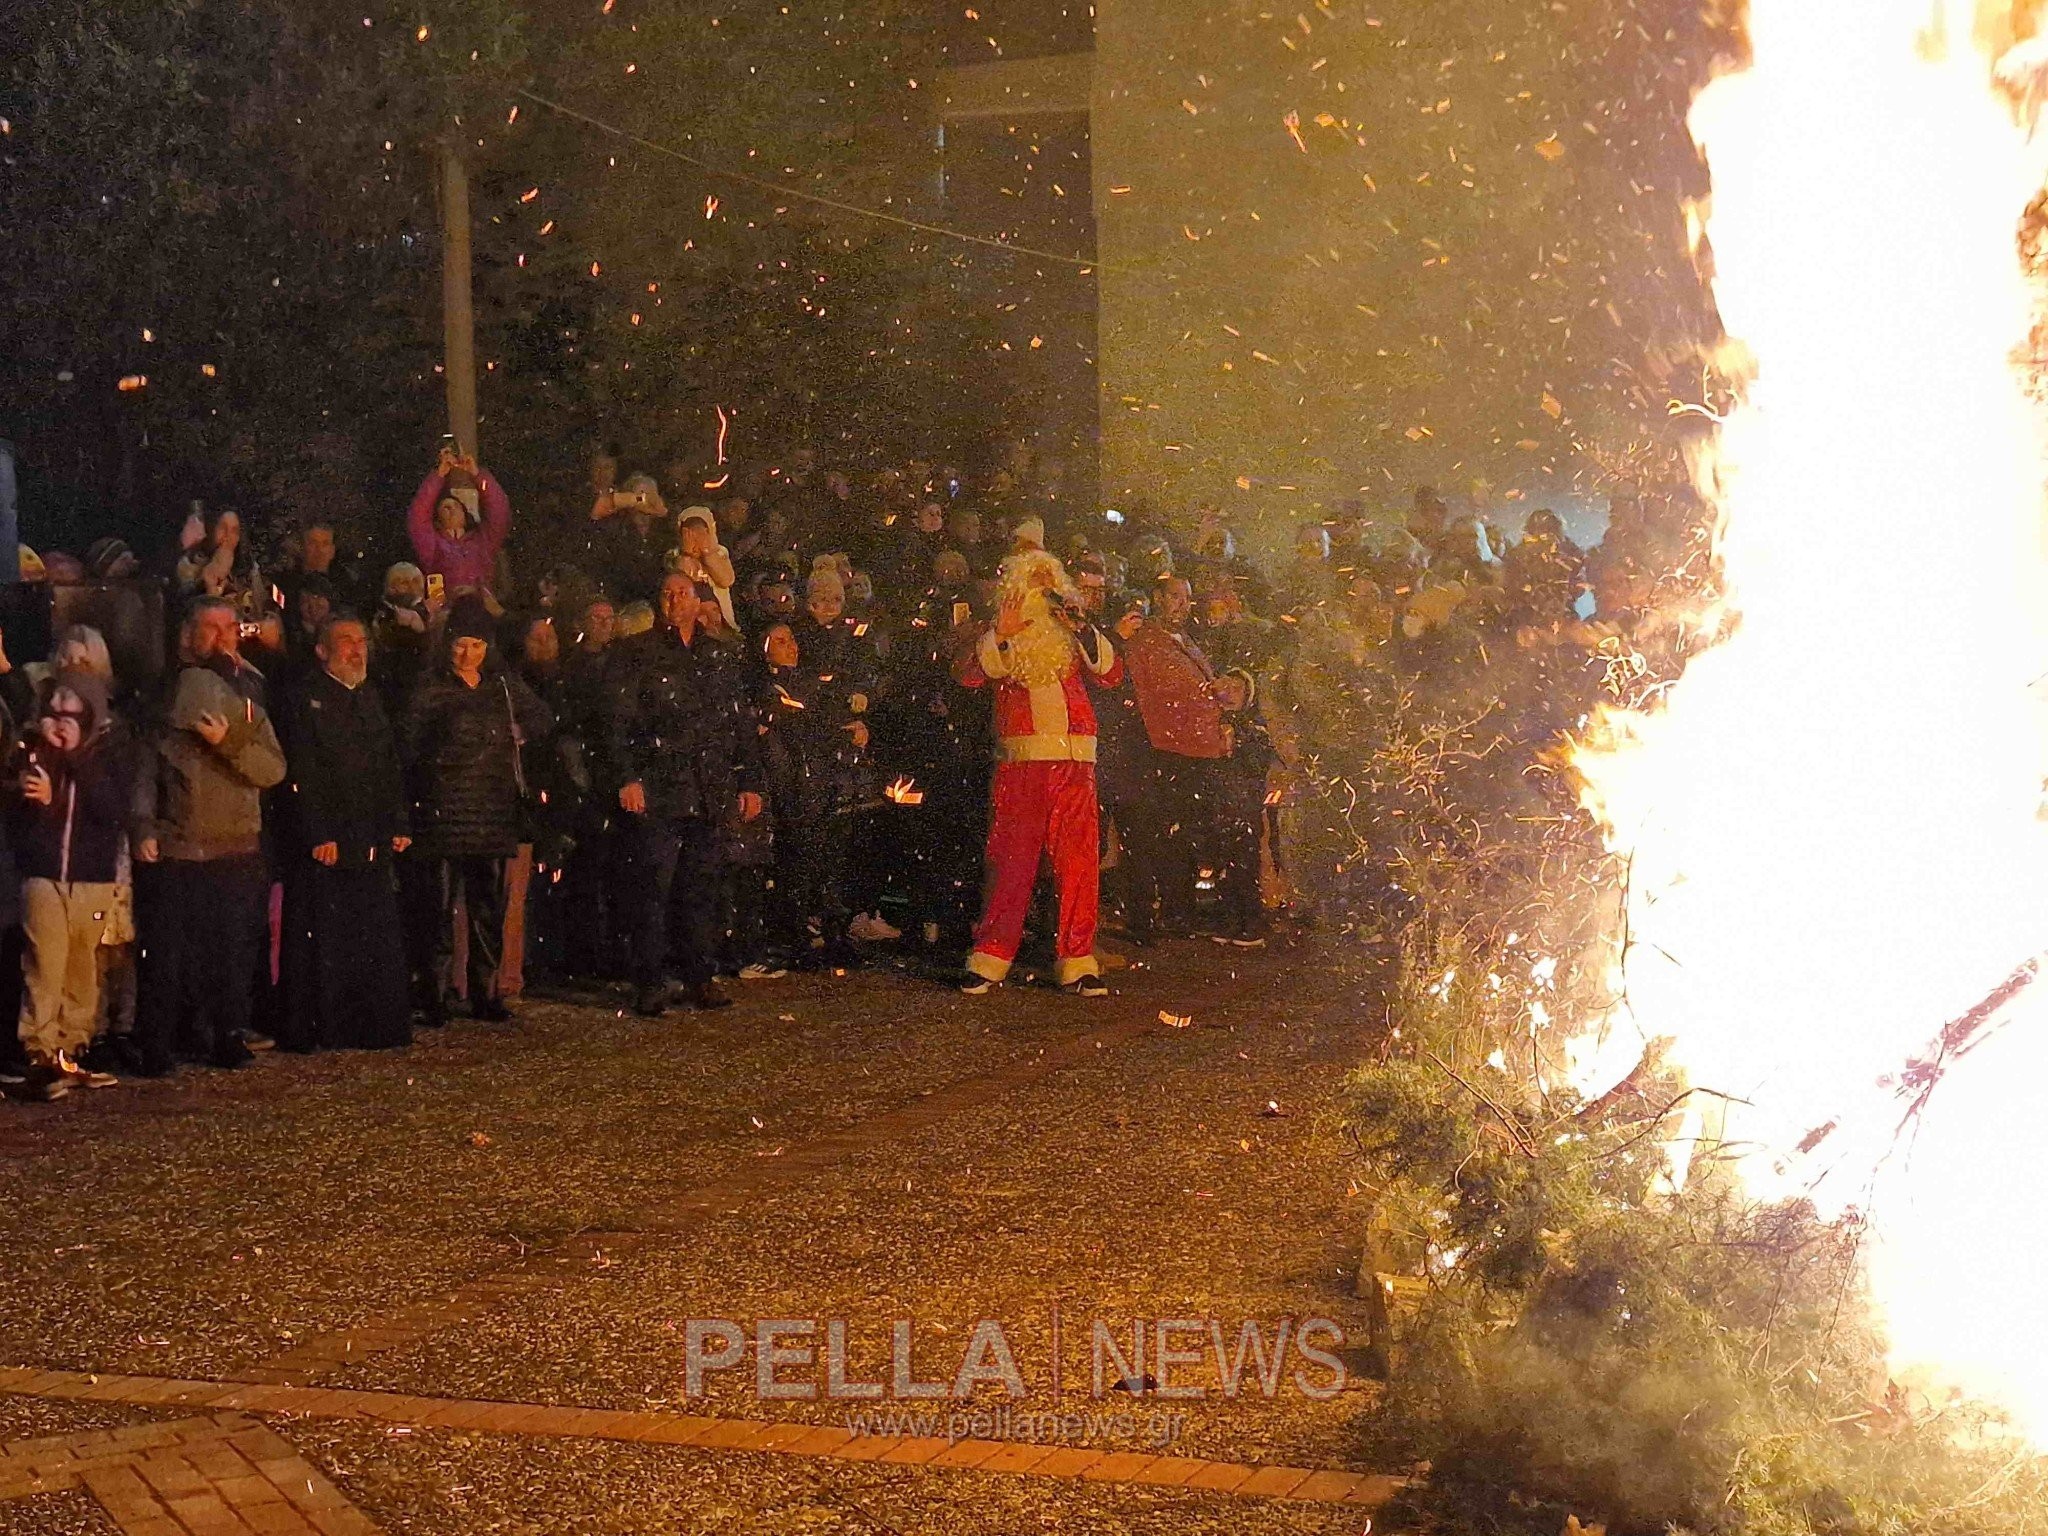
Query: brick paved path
[(213, 1476), (223, 1475)]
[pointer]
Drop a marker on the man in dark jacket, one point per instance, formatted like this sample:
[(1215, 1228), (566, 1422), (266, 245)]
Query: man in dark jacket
[(344, 952), (197, 827), (683, 747), (67, 835), (462, 738)]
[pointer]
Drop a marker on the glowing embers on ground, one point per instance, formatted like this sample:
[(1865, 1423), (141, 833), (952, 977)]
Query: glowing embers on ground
[(1833, 822)]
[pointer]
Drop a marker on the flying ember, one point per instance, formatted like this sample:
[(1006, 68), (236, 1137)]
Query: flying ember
[(1834, 818)]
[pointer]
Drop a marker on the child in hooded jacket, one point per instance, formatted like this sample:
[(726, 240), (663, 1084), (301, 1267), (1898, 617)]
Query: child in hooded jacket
[(68, 821)]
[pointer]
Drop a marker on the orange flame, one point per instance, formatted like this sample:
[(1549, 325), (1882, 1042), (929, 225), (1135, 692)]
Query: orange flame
[(1834, 821)]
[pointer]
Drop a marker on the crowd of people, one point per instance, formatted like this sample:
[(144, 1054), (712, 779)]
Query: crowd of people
[(684, 747)]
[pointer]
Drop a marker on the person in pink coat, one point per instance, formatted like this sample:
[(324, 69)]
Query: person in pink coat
[(464, 557)]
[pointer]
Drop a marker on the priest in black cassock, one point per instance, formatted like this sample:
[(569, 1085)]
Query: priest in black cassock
[(344, 960)]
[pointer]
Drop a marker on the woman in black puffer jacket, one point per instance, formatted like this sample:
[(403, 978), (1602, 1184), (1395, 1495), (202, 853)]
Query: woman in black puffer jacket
[(463, 733)]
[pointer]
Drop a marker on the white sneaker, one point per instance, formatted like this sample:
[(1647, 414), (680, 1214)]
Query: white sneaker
[(760, 972), (79, 1077)]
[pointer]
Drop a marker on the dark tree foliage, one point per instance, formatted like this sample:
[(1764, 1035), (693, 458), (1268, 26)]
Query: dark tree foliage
[(239, 202)]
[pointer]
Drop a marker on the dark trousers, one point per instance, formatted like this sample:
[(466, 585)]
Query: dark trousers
[(811, 852), (478, 884), (419, 906), (753, 917), (1238, 815), (676, 881), (1165, 829), (202, 922), (595, 917)]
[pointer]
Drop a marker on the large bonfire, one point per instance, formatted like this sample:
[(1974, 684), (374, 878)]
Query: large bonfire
[(1838, 864)]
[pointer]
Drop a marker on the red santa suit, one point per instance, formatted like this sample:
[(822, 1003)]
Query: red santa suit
[(1042, 802)]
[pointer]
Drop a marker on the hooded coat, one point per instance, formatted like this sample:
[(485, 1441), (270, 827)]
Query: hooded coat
[(77, 836)]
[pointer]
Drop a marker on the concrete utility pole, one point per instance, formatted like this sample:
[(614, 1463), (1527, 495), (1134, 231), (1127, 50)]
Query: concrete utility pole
[(457, 319)]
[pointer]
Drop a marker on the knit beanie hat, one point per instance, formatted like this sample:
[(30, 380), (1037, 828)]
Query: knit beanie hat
[(471, 620)]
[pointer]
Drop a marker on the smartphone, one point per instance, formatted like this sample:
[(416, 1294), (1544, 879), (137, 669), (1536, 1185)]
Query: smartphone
[(961, 613), (437, 586), (249, 631)]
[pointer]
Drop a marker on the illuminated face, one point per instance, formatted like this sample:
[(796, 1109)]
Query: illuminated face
[(346, 652), (827, 603), (1175, 603), (466, 654), (781, 647), (599, 624), (1094, 591), (451, 518), (931, 518), (319, 553), (72, 656), (543, 645), (227, 531), (63, 724), (679, 603), (314, 608), (213, 633), (694, 539)]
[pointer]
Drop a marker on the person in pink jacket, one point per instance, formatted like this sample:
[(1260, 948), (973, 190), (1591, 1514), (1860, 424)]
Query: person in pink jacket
[(438, 521)]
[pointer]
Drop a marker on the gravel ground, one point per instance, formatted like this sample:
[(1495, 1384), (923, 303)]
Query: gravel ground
[(202, 1227)]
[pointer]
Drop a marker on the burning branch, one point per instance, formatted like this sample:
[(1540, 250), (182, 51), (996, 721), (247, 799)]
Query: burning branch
[(1958, 1038)]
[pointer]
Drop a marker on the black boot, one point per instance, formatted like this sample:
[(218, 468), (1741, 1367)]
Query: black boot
[(709, 994)]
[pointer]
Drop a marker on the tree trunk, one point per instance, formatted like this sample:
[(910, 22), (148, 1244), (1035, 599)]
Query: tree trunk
[(458, 321)]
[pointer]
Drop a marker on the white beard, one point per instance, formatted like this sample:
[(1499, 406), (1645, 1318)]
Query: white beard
[(1042, 654)]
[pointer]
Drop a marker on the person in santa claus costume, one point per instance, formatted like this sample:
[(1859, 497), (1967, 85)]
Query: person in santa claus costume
[(1041, 656)]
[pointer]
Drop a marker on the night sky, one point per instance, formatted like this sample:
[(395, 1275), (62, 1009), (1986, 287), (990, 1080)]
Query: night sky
[(1361, 246)]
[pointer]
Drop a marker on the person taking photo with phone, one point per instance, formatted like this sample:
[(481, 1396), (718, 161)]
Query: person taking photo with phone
[(458, 522)]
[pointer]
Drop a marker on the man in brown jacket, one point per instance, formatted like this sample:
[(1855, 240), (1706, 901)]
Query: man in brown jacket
[(201, 878)]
